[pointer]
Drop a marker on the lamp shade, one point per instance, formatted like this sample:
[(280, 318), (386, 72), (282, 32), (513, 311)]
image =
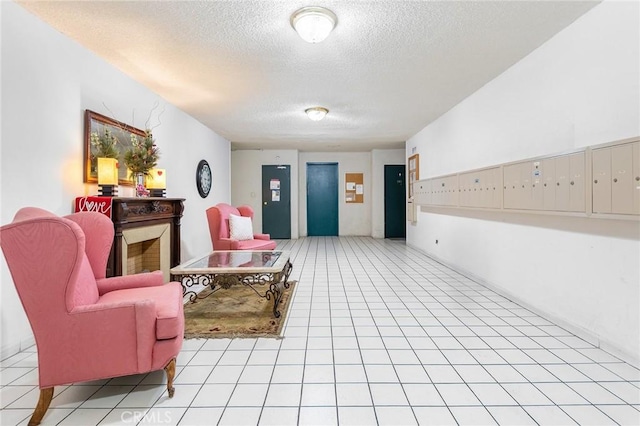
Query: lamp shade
[(313, 24), (156, 179), (107, 171)]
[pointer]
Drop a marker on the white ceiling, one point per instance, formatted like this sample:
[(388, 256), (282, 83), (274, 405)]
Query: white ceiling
[(388, 69)]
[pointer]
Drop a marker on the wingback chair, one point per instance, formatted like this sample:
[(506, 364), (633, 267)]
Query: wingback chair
[(218, 218), (86, 326)]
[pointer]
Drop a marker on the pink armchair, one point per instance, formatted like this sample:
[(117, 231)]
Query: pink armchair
[(86, 326), (218, 218)]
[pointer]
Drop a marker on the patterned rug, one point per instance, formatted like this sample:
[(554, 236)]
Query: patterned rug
[(236, 312)]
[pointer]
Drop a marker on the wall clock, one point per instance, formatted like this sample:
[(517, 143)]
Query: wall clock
[(204, 178)]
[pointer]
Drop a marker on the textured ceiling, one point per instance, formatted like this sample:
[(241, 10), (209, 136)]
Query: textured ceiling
[(388, 69)]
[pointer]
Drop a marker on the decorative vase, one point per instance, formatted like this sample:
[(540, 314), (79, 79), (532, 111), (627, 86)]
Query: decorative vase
[(138, 180)]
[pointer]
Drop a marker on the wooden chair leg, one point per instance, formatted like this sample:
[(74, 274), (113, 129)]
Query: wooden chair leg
[(43, 404), (171, 372)]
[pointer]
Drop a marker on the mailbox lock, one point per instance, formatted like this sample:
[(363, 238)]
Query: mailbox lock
[(558, 184), (545, 184), (615, 180), (572, 182), (595, 181), (637, 178)]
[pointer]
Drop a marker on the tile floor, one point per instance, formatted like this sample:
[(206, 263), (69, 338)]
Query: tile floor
[(378, 333)]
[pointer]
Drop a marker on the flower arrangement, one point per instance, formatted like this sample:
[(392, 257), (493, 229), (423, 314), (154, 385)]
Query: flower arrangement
[(104, 144), (143, 154)]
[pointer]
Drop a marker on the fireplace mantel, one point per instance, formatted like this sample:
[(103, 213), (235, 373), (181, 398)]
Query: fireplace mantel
[(131, 213)]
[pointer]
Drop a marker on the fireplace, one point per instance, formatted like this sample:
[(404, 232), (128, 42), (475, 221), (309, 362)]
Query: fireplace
[(147, 235)]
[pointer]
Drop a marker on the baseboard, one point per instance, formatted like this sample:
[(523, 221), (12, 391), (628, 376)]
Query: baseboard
[(575, 329), (11, 350)]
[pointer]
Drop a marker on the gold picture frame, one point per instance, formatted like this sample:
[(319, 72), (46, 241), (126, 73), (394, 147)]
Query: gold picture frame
[(98, 123)]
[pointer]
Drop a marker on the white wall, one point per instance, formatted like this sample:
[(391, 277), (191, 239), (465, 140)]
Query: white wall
[(48, 81), (580, 88), (380, 158), (246, 181), (354, 219)]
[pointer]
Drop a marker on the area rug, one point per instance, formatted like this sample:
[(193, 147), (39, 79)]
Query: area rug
[(235, 312)]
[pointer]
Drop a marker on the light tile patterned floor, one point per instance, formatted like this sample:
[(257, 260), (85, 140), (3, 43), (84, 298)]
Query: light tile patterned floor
[(378, 333)]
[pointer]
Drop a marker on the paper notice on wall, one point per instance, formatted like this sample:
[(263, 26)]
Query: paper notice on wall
[(351, 186), (274, 184), (275, 195), (350, 197), (359, 189)]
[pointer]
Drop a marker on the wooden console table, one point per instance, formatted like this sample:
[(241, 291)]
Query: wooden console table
[(129, 213)]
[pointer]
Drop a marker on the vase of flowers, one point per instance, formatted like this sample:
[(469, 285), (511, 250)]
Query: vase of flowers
[(141, 157)]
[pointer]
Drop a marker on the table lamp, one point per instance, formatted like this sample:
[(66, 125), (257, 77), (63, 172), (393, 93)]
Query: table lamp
[(157, 182), (107, 176)]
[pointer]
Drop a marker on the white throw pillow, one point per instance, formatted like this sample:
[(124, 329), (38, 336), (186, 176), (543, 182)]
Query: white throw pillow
[(240, 228)]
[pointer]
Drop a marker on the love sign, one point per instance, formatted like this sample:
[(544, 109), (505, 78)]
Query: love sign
[(94, 204)]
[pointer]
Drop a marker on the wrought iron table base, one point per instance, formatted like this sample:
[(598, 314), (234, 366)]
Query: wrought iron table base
[(277, 282)]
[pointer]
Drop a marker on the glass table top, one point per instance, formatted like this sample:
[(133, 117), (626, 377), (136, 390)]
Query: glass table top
[(236, 260)]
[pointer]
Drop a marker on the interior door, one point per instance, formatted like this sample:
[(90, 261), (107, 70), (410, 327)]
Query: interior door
[(276, 201), (322, 199), (394, 201)]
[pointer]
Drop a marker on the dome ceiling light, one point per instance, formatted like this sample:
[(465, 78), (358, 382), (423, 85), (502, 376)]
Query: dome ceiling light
[(316, 113), (313, 23)]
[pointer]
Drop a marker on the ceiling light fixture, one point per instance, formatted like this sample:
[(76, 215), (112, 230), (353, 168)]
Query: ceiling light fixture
[(316, 113), (313, 23)]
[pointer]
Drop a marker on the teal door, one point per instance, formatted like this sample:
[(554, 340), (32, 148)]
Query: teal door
[(276, 201), (322, 199), (394, 202)]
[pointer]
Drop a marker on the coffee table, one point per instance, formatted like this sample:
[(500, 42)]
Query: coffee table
[(223, 269)]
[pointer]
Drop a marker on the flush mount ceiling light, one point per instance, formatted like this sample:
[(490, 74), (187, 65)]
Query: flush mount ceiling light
[(316, 113), (313, 23)]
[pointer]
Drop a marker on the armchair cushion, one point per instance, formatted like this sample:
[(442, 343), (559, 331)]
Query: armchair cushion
[(168, 306), (147, 279), (240, 228)]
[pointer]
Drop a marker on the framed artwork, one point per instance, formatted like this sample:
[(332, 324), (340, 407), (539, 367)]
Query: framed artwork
[(414, 171), (106, 131)]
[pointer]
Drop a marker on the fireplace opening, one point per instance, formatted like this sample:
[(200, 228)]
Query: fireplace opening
[(146, 249), (143, 256)]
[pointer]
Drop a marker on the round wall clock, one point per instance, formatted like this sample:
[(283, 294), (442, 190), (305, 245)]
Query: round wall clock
[(204, 178)]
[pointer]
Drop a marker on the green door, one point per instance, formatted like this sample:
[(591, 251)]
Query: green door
[(276, 201), (322, 199), (395, 213)]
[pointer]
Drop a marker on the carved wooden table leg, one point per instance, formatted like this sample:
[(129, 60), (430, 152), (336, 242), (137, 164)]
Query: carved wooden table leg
[(43, 404), (171, 372)]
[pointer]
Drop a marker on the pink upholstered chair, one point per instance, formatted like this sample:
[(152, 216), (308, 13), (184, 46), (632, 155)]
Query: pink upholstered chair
[(218, 218), (86, 326)]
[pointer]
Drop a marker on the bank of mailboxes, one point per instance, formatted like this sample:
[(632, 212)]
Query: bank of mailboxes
[(552, 184), (482, 188), (616, 179), (441, 191), (556, 183)]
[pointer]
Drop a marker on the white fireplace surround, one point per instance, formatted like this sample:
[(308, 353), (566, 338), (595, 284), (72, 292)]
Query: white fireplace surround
[(146, 233)]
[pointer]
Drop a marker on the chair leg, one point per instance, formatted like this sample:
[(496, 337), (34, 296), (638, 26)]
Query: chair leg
[(43, 404), (171, 372)]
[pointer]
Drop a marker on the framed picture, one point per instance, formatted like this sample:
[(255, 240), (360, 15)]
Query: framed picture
[(103, 127), (414, 171)]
